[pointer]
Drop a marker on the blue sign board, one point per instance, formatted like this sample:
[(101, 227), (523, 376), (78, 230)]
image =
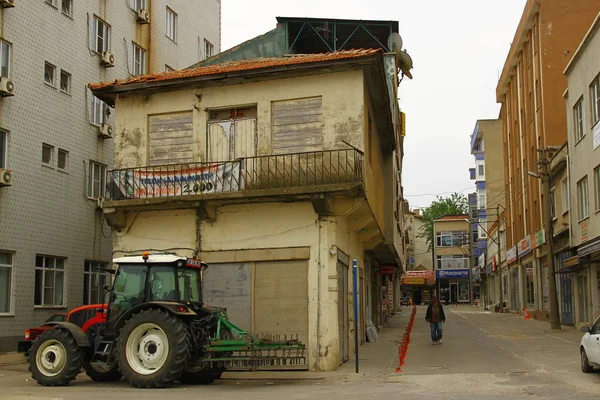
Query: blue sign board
[(451, 273)]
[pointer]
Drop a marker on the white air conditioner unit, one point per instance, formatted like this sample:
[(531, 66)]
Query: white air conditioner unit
[(105, 131), (108, 59), (7, 3), (143, 17), (7, 87), (5, 177)]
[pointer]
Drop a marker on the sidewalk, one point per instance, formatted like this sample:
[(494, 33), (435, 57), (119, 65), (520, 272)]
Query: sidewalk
[(13, 358)]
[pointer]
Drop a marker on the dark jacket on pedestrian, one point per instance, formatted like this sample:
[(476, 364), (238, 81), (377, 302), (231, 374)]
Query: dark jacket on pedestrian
[(431, 315)]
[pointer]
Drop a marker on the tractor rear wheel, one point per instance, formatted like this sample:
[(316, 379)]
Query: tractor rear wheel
[(152, 349), (54, 358)]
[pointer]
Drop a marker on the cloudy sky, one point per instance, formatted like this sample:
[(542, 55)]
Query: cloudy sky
[(458, 48)]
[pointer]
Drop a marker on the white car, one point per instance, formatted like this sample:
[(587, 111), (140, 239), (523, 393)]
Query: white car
[(590, 347)]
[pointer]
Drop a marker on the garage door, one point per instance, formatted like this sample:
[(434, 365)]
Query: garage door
[(229, 286), (281, 298)]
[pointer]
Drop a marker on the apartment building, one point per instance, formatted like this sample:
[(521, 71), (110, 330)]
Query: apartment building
[(530, 93), (583, 116), (57, 139), (419, 280), (451, 256), (279, 172), (487, 202)]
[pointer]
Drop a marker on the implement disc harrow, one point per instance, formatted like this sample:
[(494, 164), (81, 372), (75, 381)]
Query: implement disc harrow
[(249, 352)]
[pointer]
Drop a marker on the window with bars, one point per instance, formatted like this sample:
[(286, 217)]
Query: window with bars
[(49, 281)]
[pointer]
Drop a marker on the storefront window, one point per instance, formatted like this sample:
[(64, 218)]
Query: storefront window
[(529, 285), (463, 290)]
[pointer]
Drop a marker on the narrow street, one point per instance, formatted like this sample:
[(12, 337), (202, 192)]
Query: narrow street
[(484, 355)]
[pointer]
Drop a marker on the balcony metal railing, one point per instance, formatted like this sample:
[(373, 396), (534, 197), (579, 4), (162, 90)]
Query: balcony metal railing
[(252, 173)]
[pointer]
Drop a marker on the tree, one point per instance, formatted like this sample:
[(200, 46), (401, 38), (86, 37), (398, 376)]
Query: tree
[(456, 204)]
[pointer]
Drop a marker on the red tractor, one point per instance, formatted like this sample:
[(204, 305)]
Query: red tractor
[(156, 330)]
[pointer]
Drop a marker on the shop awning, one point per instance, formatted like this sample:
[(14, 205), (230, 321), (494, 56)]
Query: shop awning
[(589, 248)]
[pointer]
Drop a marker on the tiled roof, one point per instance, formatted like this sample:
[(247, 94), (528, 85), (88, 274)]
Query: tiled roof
[(237, 66), (453, 217)]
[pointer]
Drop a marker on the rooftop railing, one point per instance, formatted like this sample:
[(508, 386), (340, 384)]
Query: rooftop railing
[(296, 170)]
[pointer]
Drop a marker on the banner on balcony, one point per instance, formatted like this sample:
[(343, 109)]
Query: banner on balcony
[(216, 178)]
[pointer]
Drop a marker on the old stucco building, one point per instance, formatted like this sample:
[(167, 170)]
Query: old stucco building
[(52, 233), (278, 172)]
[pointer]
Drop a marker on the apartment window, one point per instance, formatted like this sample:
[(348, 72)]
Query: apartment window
[(208, 49), (168, 69), (51, 2), (553, 203), (139, 5), (49, 281), (93, 283), (47, 154), (583, 198), (101, 35), (452, 239), (481, 170), (67, 7), (62, 159), (595, 96), (481, 199), (578, 120), (96, 180), (3, 148), (138, 66), (564, 186), (597, 186), (6, 267), (99, 111), (65, 82), (49, 72), (171, 24), (452, 262), (4, 58)]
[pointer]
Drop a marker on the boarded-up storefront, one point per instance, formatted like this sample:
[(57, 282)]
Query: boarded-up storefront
[(262, 297), (170, 138)]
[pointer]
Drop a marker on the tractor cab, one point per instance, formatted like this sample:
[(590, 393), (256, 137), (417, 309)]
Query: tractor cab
[(149, 278)]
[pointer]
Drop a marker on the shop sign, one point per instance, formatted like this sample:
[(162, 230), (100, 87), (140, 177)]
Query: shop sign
[(584, 231), (524, 246), (386, 270), (391, 297), (529, 271), (420, 274), (482, 261), (589, 248), (538, 239), (414, 281), (511, 255), (452, 273)]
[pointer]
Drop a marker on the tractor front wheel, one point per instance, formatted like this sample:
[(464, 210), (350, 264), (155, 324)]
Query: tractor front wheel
[(54, 358), (152, 349)]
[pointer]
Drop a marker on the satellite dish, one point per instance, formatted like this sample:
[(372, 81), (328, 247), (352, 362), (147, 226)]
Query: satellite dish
[(394, 42), (406, 63)]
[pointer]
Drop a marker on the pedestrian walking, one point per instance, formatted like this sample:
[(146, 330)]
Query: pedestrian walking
[(436, 318)]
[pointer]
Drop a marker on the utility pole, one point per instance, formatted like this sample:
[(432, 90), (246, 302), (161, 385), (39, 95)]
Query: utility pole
[(545, 172), (499, 266)]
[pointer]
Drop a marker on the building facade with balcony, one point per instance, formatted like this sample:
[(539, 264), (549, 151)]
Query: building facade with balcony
[(56, 137), (530, 92), (583, 116), (451, 258), (278, 172)]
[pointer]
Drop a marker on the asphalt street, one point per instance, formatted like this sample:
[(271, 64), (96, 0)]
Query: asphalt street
[(484, 356)]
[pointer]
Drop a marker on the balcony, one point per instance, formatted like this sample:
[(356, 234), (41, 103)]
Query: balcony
[(274, 175)]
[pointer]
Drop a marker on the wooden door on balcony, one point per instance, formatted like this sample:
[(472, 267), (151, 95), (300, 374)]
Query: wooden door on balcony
[(231, 134)]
